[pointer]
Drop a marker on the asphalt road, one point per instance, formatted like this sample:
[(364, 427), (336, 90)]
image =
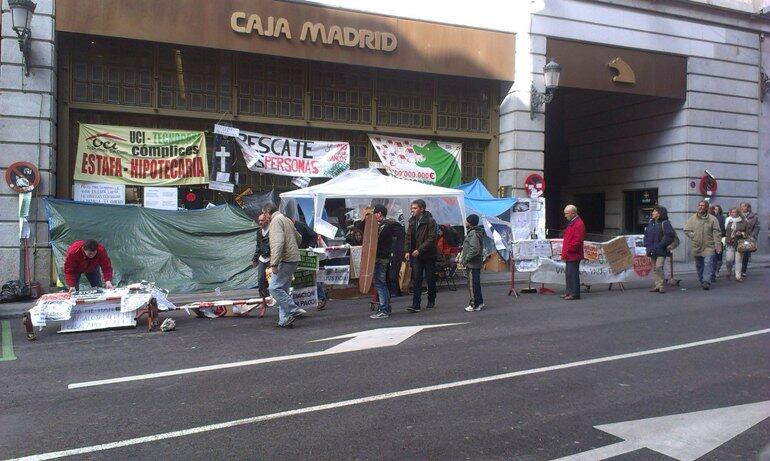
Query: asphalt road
[(422, 398)]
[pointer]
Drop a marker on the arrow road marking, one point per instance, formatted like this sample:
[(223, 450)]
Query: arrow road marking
[(370, 339), (379, 398), (685, 437)]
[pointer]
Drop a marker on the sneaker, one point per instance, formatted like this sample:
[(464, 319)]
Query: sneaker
[(480, 306), (705, 285), (430, 306), (298, 313), (474, 309), (469, 309), (379, 315), (413, 309), (289, 322)]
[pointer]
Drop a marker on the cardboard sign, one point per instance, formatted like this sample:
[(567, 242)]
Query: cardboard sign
[(308, 260), (334, 275), (305, 298), (97, 316), (94, 192), (618, 255)]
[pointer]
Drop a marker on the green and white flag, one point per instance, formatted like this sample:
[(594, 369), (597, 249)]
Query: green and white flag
[(429, 162)]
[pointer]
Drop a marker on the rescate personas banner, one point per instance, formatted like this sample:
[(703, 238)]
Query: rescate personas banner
[(140, 156), (283, 156)]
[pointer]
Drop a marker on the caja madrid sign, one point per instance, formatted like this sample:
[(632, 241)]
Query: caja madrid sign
[(140, 156)]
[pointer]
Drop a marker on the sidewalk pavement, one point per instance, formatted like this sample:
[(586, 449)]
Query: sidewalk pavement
[(16, 309)]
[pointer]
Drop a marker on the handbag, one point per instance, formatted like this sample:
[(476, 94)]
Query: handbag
[(405, 276), (746, 245)]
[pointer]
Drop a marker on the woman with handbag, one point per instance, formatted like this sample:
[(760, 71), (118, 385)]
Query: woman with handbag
[(752, 233), (658, 235), (735, 231)]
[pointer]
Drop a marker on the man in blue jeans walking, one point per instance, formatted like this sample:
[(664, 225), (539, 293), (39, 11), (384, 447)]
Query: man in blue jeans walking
[(385, 243), (284, 258), (705, 240)]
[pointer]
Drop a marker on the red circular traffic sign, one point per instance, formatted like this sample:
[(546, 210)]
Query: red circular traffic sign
[(534, 185), (22, 177), (708, 186)]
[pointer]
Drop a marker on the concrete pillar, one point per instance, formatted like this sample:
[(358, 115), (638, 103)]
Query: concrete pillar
[(27, 133)]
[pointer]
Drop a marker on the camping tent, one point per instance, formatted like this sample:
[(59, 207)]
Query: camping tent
[(478, 198), (362, 187)]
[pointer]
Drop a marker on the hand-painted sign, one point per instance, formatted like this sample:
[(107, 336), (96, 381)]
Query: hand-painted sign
[(141, 156), (429, 162), (293, 157)]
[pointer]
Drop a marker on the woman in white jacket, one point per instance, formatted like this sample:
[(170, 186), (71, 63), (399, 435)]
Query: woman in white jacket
[(735, 229)]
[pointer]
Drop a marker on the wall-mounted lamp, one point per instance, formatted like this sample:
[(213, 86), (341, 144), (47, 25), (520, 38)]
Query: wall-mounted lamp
[(552, 71), (764, 85), (21, 18)]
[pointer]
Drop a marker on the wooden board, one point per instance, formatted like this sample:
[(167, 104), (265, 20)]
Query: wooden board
[(368, 253)]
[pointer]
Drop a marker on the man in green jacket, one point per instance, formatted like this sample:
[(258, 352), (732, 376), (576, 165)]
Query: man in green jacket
[(706, 241), (472, 257)]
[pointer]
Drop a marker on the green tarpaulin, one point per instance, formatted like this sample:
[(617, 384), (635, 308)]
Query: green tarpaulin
[(181, 251)]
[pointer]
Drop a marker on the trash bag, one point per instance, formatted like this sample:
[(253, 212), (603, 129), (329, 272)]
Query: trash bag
[(14, 290)]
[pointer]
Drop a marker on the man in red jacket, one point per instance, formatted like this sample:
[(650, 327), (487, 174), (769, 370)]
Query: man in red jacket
[(86, 257), (572, 251)]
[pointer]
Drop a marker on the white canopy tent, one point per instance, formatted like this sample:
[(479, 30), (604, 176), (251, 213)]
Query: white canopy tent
[(363, 187)]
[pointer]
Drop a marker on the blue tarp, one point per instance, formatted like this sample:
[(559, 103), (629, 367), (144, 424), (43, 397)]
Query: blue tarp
[(478, 198)]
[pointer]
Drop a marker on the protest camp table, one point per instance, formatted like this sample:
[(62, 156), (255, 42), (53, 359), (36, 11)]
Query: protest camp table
[(98, 309)]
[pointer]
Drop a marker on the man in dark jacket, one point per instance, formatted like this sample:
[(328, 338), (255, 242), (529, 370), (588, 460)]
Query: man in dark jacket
[(572, 251), (472, 257), (261, 257), (386, 236), (87, 257), (420, 250), (658, 235)]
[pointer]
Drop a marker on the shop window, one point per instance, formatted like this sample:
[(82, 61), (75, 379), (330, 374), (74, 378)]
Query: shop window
[(473, 159), (110, 71), (194, 79), (404, 100), (270, 87), (463, 105), (341, 94)]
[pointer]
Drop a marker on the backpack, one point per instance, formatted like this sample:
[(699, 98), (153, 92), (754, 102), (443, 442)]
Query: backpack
[(676, 241), (15, 290)]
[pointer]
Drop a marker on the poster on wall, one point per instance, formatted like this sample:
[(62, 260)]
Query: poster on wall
[(140, 156), (429, 162), (94, 192), (161, 198), (283, 156)]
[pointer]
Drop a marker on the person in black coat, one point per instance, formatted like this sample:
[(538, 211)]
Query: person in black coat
[(261, 257), (716, 210), (658, 235)]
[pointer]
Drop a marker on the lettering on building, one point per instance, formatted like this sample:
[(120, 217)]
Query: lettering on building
[(315, 32)]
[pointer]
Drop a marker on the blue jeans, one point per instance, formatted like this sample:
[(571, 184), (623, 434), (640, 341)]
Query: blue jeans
[(320, 291), (94, 278), (280, 284), (381, 285), (704, 265)]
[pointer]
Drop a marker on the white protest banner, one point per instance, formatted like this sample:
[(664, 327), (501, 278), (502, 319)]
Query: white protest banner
[(528, 216), (293, 157), (355, 261), (95, 192), (97, 316), (334, 275), (421, 160), (161, 198), (603, 262), (305, 297)]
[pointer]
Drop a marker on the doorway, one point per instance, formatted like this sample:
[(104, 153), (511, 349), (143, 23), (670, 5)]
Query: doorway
[(638, 205)]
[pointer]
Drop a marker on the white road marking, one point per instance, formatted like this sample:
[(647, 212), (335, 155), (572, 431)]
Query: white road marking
[(684, 437), (362, 340), (380, 397)]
